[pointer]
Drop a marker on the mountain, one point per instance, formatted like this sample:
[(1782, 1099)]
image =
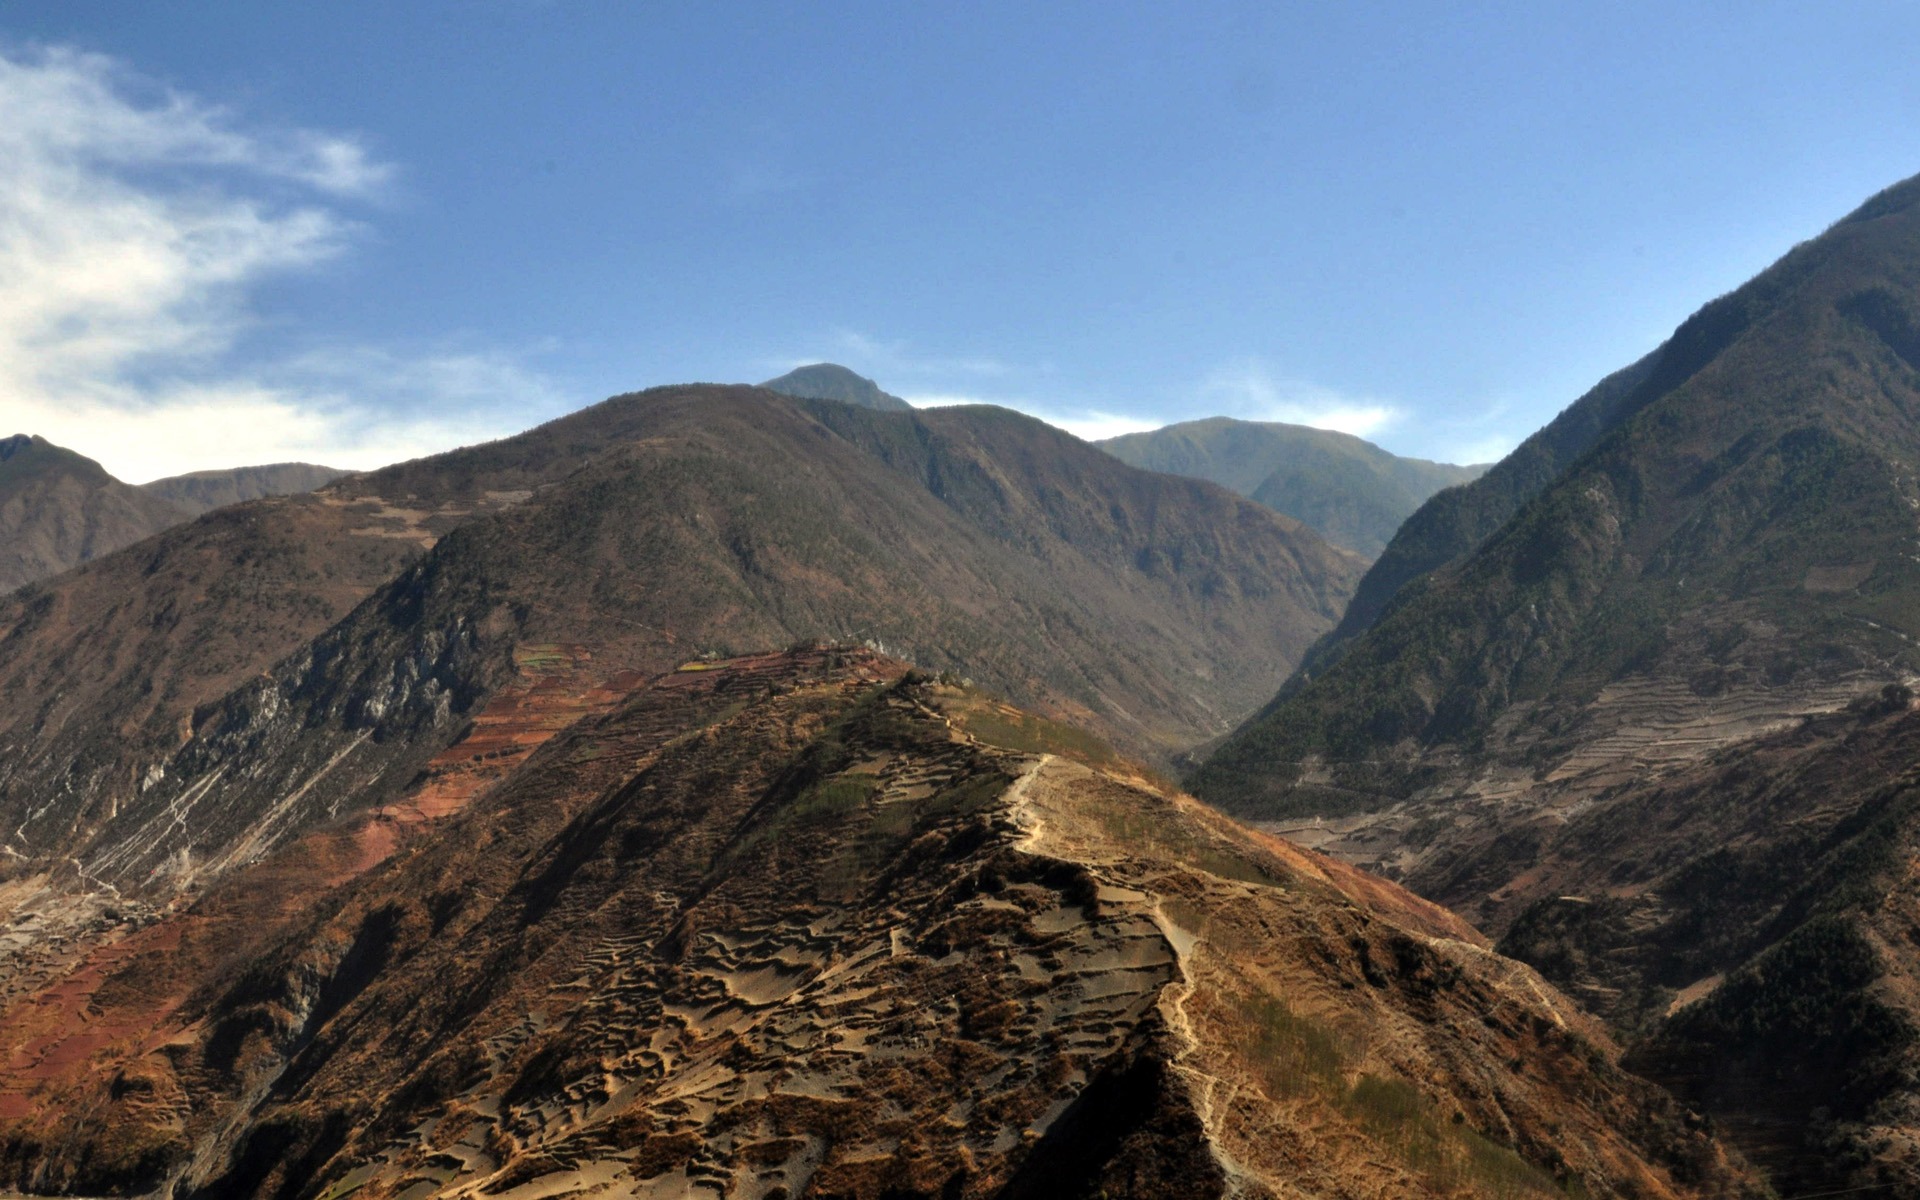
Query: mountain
[(1349, 491), (58, 508), (807, 924), (1636, 701), (202, 491), (830, 381), (294, 655)]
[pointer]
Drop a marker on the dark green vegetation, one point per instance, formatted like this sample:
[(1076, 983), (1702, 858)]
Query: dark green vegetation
[(1637, 700), (1349, 491), (830, 381), (1750, 921)]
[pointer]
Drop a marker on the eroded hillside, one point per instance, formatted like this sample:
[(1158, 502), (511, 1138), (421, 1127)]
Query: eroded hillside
[(276, 660), (1637, 702), (804, 925)]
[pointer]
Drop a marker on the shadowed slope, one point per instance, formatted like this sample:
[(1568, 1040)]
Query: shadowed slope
[(1744, 532), (58, 509)]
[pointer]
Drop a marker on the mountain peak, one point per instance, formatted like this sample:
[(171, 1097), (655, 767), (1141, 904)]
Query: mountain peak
[(831, 381), (1348, 490)]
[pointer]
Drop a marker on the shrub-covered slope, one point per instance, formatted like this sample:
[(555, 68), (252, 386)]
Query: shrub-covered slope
[(1350, 491), (1741, 525), (1654, 727)]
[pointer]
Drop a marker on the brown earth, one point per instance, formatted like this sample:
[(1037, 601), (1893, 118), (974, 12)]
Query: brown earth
[(1636, 701), (800, 925), (58, 509), (163, 712)]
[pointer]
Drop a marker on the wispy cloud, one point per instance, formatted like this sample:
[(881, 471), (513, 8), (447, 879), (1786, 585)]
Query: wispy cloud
[(1087, 423), (135, 223), (1246, 389)]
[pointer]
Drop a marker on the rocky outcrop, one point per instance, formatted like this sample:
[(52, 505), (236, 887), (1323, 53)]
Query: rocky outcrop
[(805, 925)]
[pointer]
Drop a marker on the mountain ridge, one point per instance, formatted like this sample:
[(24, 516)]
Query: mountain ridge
[(1649, 728), (1350, 491), (810, 924), (670, 522), (59, 509)]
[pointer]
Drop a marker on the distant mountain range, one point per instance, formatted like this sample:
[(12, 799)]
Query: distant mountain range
[(1639, 699), (1350, 491), (59, 509)]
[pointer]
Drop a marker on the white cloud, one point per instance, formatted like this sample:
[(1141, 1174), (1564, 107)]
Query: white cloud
[(1247, 390), (134, 224), (1085, 423)]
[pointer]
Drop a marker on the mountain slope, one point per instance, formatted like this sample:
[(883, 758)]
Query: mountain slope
[(624, 538), (1349, 491), (58, 509), (831, 381), (795, 925), (1654, 729), (1760, 947), (1747, 533), (202, 491)]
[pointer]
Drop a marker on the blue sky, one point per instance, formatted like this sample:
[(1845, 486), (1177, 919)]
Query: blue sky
[(352, 232)]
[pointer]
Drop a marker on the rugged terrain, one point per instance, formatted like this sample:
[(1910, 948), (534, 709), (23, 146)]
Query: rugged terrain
[(189, 708), (806, 925), (1636, 701), (642, 530), (1348, 490)]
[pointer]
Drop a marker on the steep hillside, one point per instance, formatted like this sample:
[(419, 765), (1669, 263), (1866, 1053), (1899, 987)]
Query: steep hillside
[(203, 491), (58, 509), (798, 925), (1349, 491), (831, 381), (148, 730), (1760, 947), (1742, 543), (1653, 726)]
